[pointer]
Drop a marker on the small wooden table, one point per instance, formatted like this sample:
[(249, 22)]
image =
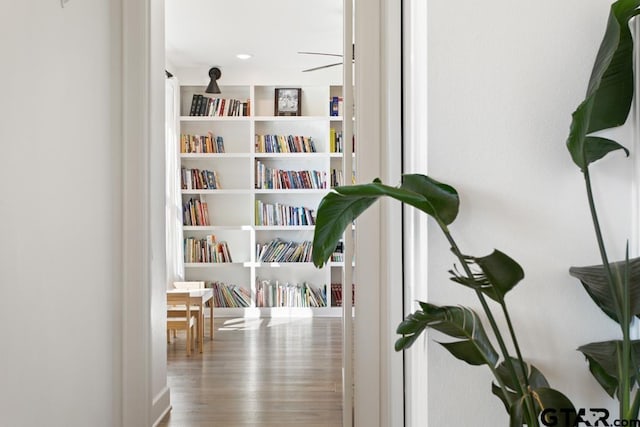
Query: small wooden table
[(199, 297)]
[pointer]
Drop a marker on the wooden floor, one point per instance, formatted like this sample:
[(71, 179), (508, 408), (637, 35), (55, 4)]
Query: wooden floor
[(260, 373)]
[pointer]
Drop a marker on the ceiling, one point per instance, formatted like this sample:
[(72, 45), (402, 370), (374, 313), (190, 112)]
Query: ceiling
[(205, 33)]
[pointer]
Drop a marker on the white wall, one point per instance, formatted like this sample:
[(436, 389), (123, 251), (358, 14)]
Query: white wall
[(159, 388), (59, 214), (503, 80), (243, 75)]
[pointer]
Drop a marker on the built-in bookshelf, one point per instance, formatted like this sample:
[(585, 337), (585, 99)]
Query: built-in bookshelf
[(251, 183)]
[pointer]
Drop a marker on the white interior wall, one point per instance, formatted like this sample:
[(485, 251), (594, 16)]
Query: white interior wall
[(160, 396), (247, 75), (503, 80), (60, 222)]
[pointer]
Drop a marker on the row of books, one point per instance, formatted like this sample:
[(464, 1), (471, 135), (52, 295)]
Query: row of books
[(337, 178), (275, 294), (273, 178), (225, 295), (284, 144), (338, 253), (279, 214), (206, 250), (195, 212), (336, 142), (336, 294), (201, 143), (204, 106), (196, 179), (279, 250)]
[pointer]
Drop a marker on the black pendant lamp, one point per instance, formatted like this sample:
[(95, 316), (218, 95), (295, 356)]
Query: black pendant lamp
[(214, 74)]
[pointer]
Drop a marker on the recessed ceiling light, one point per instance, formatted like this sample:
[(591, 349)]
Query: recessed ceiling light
[(243, 56)]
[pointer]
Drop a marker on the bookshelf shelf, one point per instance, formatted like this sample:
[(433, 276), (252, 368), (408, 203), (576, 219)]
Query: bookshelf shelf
[(230, 209), (339, 264), (217, 227), (212, 192), (215, 119), (293, 191), (215, 155), (284, 227), (290, 155), (282, 264), (289, 118), (212, 264)]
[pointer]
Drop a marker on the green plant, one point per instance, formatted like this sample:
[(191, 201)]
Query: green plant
[(614, 287), (522, 387)]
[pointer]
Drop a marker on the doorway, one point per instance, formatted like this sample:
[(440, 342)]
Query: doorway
[(299, 51), (142, 341)]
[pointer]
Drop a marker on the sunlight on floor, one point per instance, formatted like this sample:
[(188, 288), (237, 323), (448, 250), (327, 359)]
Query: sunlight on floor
[(252, 324)]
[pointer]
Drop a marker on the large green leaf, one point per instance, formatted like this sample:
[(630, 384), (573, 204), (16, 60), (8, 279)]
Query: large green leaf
[(474, 346), (338, 209), (552, 403), (549, 403), (603, 360), (610, 89), (335, 213), (516, 413), (500, 274), (442, 197), (534, 376), (538, 390), (594, 280), (507, 400)]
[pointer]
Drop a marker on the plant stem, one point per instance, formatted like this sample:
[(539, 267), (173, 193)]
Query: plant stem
[(633, 411), (622, 311), (515, 343), (532, 419)]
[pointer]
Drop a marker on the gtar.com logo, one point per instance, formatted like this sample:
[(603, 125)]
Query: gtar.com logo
[(591, 417)]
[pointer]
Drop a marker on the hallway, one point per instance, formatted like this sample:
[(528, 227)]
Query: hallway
[(259, 373)]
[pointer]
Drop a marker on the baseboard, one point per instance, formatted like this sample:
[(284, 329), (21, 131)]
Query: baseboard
[(161, 406)]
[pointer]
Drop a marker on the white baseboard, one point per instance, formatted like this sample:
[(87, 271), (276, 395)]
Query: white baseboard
[(161, 406)]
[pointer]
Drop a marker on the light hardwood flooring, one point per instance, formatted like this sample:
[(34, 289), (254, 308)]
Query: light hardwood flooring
[(259, 373)]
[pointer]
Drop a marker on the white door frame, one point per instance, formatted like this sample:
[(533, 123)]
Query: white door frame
[(379, 397), (135, 401), (378, 369), (415, 122)]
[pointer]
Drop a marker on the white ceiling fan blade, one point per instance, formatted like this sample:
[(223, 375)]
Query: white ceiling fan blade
[(320, 53), (321, 67)]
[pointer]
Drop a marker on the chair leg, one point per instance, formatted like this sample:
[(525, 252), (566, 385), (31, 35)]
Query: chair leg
[(200, 331), (189, 341)]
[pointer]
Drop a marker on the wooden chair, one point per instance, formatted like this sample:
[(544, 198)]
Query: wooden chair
[(187, 322), (178, 311)]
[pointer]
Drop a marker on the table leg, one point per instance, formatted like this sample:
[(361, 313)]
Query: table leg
[(211, 317), (201, 329)]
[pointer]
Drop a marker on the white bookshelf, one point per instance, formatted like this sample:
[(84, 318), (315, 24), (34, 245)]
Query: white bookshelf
[(232, 207)]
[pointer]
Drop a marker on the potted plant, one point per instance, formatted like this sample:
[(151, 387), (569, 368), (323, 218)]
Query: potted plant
[(614, 287), (521, 387)]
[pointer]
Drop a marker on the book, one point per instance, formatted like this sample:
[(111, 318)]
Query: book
[(201, 143), (334, 107), (205, 211), (272, 293), (204, 106), (194, 104), (198, 105)]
